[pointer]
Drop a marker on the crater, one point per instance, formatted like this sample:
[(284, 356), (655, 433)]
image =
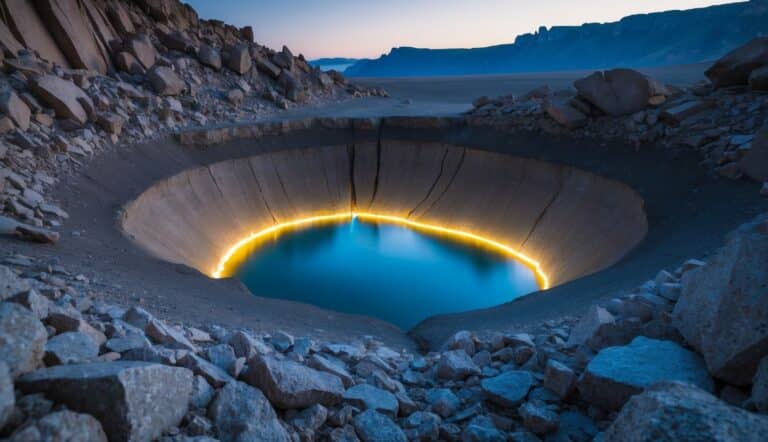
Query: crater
[(560, 221)]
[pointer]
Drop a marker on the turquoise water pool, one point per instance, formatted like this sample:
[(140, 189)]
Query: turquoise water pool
[(383, 270)]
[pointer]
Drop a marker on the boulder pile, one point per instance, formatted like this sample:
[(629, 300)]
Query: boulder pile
[(682, 357)]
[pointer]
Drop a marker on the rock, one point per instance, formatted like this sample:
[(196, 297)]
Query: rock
[(722, 311), (22, 339), (71, 322), (282, 341), (442, 401), (132, 400), (7, 396), (368, 397), (222, 356), (758, 79), (15, 108), (461, 340), (343, 434), (141, 46), (574, 426), (202, 393), (242, 413), (482, 429), (673, 411), (372, 426), (137, 317), (288, 384), (618, 91), (456, 365), (70, 348), (66, 99), (165, 82), (199, 366), (168, 336), (313, 417), (267, 67), (62, 426), (331, 365), (34, 302), (73, 33), (235, 96), (754, 163), (508, 389), (10, 284), (27, 232), (675, 115), (292, 87), (617, 373), (284, 59), (559, 378), (538, 419), (126, 62), (565, 114), (239, 59), (734, 68), (110, 122), (764, 189), (209, 56), (589, 325)]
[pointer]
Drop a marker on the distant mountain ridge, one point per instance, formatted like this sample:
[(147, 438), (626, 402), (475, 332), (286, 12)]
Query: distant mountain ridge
[(645, 40)]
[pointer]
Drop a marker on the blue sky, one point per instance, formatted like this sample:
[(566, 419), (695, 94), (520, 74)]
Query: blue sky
[(365, 28)]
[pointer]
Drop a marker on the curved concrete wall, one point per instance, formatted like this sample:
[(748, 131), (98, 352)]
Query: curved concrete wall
[(571, 221)]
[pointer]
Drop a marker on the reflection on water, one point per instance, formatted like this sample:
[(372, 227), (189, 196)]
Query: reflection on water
[(382, 270)]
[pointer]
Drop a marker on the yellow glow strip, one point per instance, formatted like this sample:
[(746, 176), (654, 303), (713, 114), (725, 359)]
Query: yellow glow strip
[(531, 263)]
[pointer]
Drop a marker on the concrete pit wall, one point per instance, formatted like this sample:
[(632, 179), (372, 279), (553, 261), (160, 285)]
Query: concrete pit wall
[(571, 221)]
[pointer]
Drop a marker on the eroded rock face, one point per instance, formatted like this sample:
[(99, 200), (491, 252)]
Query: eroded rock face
[(288, 384), (66, 99), (133, 400), (22, 339), (62, 426), (618, 373), (241, 412), (69, 26), (722, 311), (677, 411), (734, 68), (618, 91)]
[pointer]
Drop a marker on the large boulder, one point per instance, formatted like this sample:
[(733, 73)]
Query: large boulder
[(15, 108), (734, 68), (289, 384), (755, 163), (368, 397), (372, 426), (62, 426), (618, 373), (132, 400), (209, 56), (239, 59), (22, 339), (723, 311), (241, 412), (675, 411), (508, 389), (619, 91), (142, 48), (164, 81), (66, 99)]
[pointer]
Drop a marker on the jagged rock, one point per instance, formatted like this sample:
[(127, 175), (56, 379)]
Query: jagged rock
[(168, 336), (368, 397), (71, 322), (241, 412), (22, 339), (132, 400), (559, 378), (282, 341), (482, 429), (722, 310), (457, 365), (209, 56), (15, 108), (11, 284), (759, 397), (235, 96), (66, 99), (508, 389), (62, 426), (284, 59), (70, 348), (222, 356), (538, 419), (292, 87), (331, 365), (618, 91), (754, 164), (758, 79), (313, 417), (239, 59), (137, 317), (288, 384), (165, 82), (565, 114), (142, 48), (442, 401), (71, 29), (7, 396), (591, 324), (463, 340), (734, 68), (130, 341), (202, 393), (372, 426), (34, 302), (672, 411), (199, 366), (267, 67), (617, 373), (110, 122)]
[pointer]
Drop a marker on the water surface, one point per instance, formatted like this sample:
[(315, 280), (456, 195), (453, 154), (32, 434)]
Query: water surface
[(384, 270)]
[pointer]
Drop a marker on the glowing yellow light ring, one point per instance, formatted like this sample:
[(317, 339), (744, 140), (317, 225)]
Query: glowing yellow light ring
[(529, 262)]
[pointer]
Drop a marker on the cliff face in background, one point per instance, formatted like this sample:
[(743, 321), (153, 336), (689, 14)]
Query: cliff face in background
[(663, 38)]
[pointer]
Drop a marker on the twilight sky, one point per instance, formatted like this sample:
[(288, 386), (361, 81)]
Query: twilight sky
[(369, 28)]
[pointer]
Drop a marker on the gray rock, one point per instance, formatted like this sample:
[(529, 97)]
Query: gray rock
[(282, 341), (538, 419), (312, 418), (759, 397), (66, 99), (456, 365), (618, 91), (574, 426), (158, 355), (559, 378), (7, 396), (202, 393), (70, 321), (372, 426), (209, 56), (288, 384), (482, 429), (463, 340), (22, 339), (675, 411), (242, 413), (70, 348), (617, 373), (331, 365), (11, 284), (722, 311), (343, 434), (142, 48), (199, 366), (165, 81), (222, 356), (423, 426), (565, 114), (368, 397), (34, 302), (239, 59), (168, 336), (247, 347), (442, 401), (734, 68), (589, 325), (130, 341), (15, 108), (508, 389), (754, 163), (132, 400), (62, 426)]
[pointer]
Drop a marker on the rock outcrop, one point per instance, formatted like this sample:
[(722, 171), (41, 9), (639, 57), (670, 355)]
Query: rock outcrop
[(735, 68), (619, 91)]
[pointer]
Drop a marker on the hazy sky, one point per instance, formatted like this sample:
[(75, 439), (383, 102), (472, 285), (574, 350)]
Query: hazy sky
[(368, 28)]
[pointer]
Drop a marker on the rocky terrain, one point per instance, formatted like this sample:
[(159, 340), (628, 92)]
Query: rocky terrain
[(684, 356)]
